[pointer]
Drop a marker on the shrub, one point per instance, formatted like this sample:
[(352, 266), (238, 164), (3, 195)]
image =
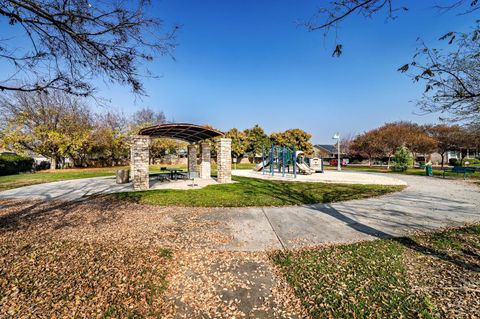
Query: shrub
[(472, 161), (43, 165), (14, 164), (402, 159), (454, 162)]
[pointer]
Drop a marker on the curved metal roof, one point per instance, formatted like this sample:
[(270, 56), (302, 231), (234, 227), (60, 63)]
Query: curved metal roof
[(183, 131)]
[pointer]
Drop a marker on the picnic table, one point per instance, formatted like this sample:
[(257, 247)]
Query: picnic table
[(168, 173), (174, 172)]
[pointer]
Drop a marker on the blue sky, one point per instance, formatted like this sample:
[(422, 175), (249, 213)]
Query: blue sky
[(243, 62)]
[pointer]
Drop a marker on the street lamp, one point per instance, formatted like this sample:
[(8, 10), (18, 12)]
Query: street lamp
[(337, 137)]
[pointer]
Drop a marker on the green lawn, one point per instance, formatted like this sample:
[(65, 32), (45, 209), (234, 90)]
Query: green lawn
[(257, 192), (243, 166), (19, 180), (377, 279), (410, 171), (25, 179)]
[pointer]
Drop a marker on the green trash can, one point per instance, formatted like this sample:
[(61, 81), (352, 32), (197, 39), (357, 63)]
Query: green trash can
[(428, 170)]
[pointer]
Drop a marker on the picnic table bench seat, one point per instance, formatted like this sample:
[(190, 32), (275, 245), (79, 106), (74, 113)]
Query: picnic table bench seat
[(160, 175)]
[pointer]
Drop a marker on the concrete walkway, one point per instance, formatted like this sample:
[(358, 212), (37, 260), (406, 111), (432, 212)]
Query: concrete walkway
[(76, 189), (426, 204)]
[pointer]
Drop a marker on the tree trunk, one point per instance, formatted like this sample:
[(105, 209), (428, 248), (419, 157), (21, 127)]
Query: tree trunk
[(462, 158), (53, 163), (443, 159)]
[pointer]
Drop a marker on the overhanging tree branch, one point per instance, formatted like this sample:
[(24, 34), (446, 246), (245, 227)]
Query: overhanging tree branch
[(75, 41)]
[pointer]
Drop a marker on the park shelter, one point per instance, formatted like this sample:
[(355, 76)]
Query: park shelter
[(191, 133)]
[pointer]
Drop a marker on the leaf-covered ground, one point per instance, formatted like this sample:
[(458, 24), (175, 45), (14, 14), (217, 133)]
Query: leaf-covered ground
[(356, 281), (101, 259), (428, 276), (73, 279), (446, 267)]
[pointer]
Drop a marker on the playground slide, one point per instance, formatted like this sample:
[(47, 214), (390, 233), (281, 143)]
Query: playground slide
[(303, 168)]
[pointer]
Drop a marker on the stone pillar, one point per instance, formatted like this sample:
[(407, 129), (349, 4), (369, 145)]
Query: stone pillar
[(224, 160), (192, 157), (140, 155), (205, 166)]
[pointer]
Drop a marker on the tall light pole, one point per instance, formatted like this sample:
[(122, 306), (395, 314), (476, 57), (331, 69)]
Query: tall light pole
[(337, 137)]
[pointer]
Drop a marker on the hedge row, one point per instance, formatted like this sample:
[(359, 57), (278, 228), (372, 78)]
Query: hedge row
[(13, 164)]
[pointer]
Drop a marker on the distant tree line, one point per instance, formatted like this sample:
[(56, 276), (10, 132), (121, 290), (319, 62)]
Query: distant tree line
[(249, 142), (59, 126), (420, 140)]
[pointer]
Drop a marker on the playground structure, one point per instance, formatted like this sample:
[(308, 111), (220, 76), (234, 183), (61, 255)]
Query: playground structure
[(281, 159)]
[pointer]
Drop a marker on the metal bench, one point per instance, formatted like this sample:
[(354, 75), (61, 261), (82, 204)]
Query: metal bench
[(461, 170)]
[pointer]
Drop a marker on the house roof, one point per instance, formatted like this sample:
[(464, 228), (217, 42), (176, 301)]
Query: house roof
[(327, 147), (182, 131)]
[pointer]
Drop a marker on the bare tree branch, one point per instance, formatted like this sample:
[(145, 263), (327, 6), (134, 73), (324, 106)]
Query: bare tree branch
[(76, 41)]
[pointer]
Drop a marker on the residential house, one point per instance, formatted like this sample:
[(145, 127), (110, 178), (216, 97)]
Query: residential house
[(327, 151)]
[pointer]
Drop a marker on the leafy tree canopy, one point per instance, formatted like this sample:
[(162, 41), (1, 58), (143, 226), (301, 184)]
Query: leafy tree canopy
[(297, 137), (256, 138), (48, 124), (239, 142)]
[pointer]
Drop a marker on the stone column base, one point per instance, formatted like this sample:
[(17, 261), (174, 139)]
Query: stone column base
[(224, 160), (192, 157), (139, 158), (205, 166)]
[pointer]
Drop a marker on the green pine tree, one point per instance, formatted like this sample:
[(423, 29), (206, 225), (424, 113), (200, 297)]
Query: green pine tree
[(402, 159)]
